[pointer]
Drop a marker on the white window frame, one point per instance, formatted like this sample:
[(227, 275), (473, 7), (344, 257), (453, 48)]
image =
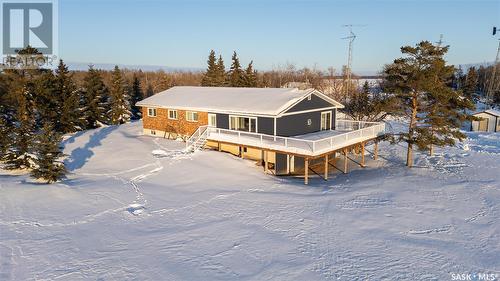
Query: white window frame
[(175, 111), (152, 110), (309, 97), (153, 132), (192, 113), (321, 120), (243, 116), (214, 116)]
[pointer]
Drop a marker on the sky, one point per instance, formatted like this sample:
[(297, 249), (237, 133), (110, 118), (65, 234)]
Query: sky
[(272, 32)]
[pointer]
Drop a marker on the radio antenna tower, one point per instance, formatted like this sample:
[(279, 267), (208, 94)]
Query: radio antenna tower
[(491, 86), (351, 38)]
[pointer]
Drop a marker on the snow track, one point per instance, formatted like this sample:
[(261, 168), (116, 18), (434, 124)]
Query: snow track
[(139, 208)]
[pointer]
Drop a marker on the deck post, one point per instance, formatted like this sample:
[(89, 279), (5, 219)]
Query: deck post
[(362, 154), (265, 161), (375, 151), (218, 146), (345, 160), (326, 167), (306, 171)]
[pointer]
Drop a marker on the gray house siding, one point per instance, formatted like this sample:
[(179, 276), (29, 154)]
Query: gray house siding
[(222, 121), (315, 103), (265, 125), (296, 124)]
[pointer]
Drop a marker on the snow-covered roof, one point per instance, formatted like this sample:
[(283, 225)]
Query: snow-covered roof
[(258, 101), (493, 112)]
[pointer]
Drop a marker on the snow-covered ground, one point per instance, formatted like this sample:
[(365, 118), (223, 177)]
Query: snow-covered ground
[(139, 208)]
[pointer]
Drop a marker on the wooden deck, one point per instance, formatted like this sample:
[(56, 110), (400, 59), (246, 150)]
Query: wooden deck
[(347, 136)]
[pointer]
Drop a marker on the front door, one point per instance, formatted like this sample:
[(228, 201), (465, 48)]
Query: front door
[(326, 120)]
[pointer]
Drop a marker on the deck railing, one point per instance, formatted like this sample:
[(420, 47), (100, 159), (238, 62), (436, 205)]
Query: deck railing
[(352, 132)]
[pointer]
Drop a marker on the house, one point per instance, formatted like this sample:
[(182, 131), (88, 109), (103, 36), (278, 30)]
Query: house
[(489, 121), (289, 131)]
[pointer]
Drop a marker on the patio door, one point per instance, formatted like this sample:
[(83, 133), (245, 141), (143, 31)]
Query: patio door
[(326, 120), (243, 123)]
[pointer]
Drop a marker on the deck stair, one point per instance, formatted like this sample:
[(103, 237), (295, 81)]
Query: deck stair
[(197, 140)]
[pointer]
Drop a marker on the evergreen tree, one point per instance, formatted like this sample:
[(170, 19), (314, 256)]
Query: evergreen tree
[(250, 76), (149, 91), (459, 78), (47, 162), (210, 77), (5, 138), (435, 111), (95, 100), (236, 76), (119, 99), (45, 100), (220, 78), (364, 106), (69, 98), (19, 155), (136, 96), (471, 84), (496, 97)]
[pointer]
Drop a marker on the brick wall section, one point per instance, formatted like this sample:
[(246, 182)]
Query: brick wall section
[(180, 126)]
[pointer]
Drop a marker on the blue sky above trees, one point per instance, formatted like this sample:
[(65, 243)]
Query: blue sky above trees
[(181, 33)]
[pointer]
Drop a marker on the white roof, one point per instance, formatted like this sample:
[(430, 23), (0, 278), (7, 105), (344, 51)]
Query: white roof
[(493, 112), (258, 101)]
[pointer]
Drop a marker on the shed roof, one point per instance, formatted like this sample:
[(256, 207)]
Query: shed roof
[(493, 112), (258, 101)]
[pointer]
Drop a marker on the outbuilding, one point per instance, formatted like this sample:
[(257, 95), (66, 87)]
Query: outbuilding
[(489, 121)]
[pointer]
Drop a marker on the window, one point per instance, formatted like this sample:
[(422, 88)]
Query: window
[(172, 114), (153, 132), (309, 122), (326, 120), (242, 123), (192, 116), (309, 97), (152, 112), (212, 120)]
